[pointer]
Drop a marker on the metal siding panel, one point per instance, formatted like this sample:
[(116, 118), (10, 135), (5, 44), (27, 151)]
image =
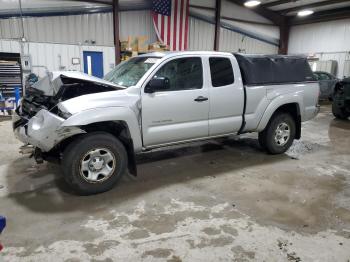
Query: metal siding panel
[(339, 57), (229, 41), (15, 31), (315, 37), (75, 29), (47, 54), (9, 46), (199, 30), (346, 71), (136, 23), (232, 42)]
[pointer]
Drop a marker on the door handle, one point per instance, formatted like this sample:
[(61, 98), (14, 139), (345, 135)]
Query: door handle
[(201, 99)]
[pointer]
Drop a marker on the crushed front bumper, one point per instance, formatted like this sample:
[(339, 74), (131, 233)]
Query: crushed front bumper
[(44, 130)]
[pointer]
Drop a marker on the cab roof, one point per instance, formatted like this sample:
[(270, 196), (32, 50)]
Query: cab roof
[(176, 53)]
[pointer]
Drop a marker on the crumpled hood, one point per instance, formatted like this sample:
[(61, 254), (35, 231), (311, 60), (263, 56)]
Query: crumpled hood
[(123, 98), (52, 83)]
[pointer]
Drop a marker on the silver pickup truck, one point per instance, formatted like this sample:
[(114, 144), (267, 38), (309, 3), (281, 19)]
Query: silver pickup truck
[(94, 127)]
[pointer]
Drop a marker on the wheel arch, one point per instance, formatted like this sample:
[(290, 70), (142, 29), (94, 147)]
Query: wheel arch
[(107, 115), (293, 108), (118, 129)]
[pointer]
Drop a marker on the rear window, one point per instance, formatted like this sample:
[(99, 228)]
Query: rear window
[(221, 71)]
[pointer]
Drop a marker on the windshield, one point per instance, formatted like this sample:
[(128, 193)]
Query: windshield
[(130, 72)]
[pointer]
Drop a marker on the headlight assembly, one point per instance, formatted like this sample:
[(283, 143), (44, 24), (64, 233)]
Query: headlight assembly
[(63, 114)]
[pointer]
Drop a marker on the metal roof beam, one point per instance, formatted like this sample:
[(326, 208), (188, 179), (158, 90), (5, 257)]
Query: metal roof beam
[(275, 3), (262, 11), (323, 16), (105, 2), (313, 5)]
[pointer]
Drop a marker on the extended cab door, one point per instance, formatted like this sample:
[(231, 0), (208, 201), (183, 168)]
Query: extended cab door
[(226, 95), (180, 112)]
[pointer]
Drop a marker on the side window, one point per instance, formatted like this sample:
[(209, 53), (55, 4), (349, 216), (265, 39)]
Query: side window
[(183, 73), (221, 71)]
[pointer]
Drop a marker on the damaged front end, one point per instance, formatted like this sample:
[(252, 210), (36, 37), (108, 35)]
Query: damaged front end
[(38, 120)]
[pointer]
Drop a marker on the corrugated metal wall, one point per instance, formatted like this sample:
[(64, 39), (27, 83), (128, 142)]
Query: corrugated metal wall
[(235, 42), (137, 23), (54, 41), (56, 56), (341, 58), (316, 37), (327, 41), (201, 37), (76, 29)]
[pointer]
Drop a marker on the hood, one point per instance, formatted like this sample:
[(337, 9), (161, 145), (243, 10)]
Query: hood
[(51, 84), (124, 98)]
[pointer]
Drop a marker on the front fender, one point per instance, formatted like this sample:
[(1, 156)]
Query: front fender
[(96, 115), (277, 102)]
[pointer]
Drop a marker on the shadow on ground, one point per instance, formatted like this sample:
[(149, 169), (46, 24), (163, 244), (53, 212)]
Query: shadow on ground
[(37, 188)]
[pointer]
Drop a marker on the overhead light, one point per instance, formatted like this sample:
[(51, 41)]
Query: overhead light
[(305, 12), (252, 3)]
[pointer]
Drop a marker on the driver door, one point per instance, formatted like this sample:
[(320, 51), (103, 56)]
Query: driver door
[(181, 112)]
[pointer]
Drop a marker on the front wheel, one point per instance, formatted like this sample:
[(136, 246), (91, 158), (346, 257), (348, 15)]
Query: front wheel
[(94, 163), (279, 134)]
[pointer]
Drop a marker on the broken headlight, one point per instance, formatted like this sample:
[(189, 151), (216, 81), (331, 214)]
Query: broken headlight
[(63, 114)]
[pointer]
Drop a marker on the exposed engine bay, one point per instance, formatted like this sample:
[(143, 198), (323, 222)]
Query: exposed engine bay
[(38, 98)]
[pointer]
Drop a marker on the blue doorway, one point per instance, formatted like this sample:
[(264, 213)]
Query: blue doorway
[(93, 63)]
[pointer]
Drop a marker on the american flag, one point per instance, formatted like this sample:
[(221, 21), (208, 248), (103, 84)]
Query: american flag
[(170, 19)]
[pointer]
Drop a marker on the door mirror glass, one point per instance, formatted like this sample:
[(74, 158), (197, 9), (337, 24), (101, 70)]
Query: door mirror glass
[(157, 84)]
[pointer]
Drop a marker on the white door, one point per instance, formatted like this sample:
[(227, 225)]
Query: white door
[(226, 96), (181, 112)]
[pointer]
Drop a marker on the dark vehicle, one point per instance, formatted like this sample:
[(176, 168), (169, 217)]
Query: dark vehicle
[(341, 99), (327, 83)]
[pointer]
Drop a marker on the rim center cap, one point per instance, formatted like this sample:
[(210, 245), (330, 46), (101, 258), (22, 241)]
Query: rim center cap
[(96, 163)]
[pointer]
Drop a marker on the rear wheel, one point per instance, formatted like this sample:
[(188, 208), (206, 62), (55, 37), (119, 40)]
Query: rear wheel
[(94, 163), (279, 134)]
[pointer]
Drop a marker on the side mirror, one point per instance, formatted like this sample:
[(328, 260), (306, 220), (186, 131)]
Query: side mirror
[(157, 84)]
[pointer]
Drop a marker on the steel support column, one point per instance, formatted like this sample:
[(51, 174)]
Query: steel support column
[(284, 37), (116, 31), (217, 25)]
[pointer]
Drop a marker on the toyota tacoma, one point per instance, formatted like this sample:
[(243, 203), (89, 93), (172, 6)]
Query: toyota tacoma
[(94, 126)]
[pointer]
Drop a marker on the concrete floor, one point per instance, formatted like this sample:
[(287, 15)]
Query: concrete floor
[(211, 201)]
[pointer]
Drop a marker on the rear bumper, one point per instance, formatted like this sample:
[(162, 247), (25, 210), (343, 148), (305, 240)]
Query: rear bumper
[(318, 108), (310, 113), (44, 130)]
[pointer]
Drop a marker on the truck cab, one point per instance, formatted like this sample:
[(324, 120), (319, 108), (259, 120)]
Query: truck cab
[(196, 99)]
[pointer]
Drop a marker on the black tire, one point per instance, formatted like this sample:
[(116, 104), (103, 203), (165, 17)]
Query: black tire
[(338, 112), (75, 152), (261, 139), (267, 137)]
